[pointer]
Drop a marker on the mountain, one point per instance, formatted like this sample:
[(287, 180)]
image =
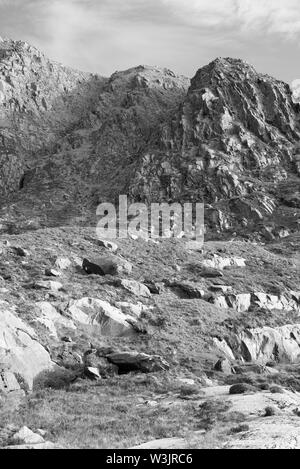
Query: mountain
[(232, 144), (71, 140)]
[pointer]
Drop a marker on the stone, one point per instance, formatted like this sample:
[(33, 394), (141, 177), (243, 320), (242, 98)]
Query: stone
[(280, 344), (92, 373), (110, 320), (136, 288), (220, 263), (104, 368), (135, 361), (108, 245), (52, 273), (190, 289), (62, 263), (48, 285), (8, 381), (270, 302), (155, 288), (27, 436), (51, 319), (21, 251), (20, 351), (107, 266), (131, 309), (240, 302), (223, 347), (220, 302), (242, 388), (224, 366)]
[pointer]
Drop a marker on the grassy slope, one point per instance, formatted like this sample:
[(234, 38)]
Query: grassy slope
[(114, 412)]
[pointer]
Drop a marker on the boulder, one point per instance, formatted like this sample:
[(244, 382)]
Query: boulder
[(270, 302), (240, 302), (135, 361), (20, 351), (108, 265), (220, 302), (190, 289), (104, 368), (92, 373), (21, 251), (154, 287), (280, 344), (27, 437), (110, 320), (51, 319), (136, 288), (62, 263)]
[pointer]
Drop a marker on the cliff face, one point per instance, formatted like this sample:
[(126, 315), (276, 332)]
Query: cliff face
[(40, 101), (233, 145), (70, 140), (94, 158)]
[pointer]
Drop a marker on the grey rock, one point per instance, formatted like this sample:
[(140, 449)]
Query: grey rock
[(109, 320), (107, 266), (136, 288), (134, 361)]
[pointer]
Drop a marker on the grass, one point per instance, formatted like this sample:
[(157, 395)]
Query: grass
[(114, 413), (107, 414)]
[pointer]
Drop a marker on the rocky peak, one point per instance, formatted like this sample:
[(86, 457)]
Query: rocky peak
[(236, 133), (145, 76)]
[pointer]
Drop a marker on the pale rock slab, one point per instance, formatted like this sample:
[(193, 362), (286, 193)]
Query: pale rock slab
[(52, 320), (20, 350), (111, 321)]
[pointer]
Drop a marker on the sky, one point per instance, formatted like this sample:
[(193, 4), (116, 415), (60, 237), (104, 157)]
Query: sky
[(103, 36)]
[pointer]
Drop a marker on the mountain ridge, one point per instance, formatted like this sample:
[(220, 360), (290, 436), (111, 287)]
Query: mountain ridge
[(222, 138)]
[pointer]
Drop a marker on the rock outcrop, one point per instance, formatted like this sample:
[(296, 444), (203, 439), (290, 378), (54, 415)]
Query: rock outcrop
[(20, 351), (110, 320), (236, 133)]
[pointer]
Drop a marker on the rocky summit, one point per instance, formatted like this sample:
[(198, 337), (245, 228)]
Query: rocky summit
[(139, 342)]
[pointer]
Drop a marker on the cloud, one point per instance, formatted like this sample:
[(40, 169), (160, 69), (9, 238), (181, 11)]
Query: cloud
[(264, 16), (105, 35)]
